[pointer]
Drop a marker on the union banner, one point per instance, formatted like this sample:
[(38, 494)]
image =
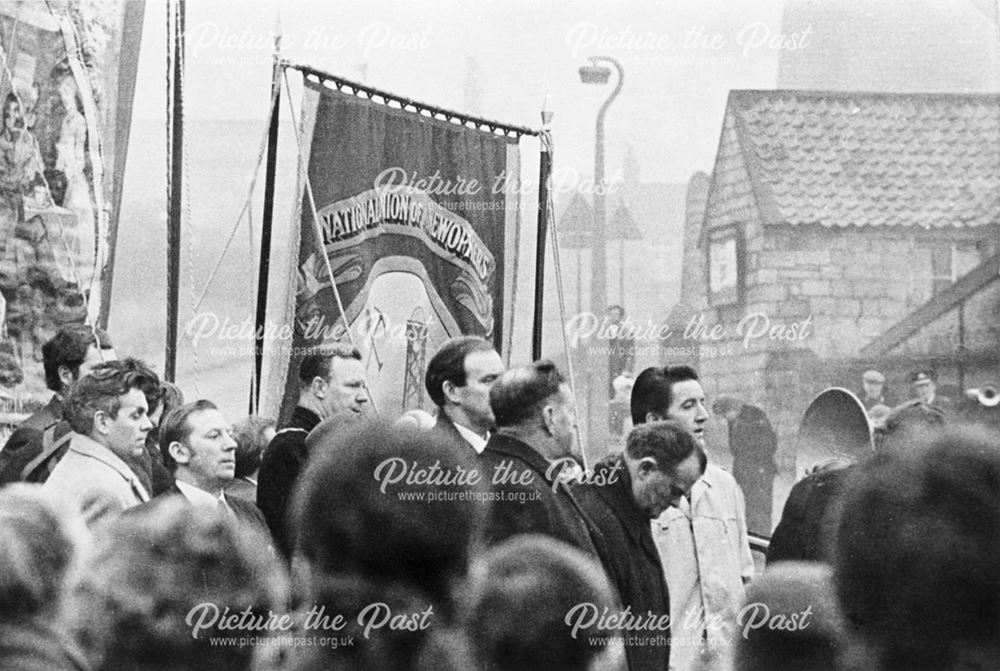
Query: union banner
[(410, 219)]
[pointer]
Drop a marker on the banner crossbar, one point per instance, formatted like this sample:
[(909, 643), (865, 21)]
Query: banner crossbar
[(390, 99)]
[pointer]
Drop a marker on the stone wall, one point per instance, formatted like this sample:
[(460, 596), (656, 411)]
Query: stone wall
[(855, 283)]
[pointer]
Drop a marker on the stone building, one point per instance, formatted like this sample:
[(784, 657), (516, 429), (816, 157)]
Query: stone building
[(831, 222)]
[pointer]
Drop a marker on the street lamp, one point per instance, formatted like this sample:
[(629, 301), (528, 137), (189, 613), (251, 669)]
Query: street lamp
[(623, 228), (596, 74)]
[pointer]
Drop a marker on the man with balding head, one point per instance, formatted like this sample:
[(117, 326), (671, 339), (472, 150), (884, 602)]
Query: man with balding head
[(659, 466), (531, 456)]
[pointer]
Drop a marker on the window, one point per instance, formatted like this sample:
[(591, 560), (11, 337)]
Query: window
[(725, 269), (942, 267)]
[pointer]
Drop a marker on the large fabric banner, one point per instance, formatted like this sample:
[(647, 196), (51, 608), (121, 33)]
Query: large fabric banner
[(61, 143), (412, 217)]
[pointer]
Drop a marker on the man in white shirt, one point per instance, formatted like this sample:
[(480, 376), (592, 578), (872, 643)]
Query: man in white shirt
[(198, 447), (458, 380), (702, 541)]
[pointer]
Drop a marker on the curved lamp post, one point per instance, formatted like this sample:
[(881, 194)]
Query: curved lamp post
[(595, 73)]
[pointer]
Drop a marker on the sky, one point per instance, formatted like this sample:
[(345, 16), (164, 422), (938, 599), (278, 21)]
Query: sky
[(498, 59), (680, 59)]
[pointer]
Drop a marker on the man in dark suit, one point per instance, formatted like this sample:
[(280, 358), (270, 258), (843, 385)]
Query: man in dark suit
[(925, 387), (753, 443), (67, 357), (659, 466), (199, 449), (808, 523), (530, 456), (331, 380), (458, 380)]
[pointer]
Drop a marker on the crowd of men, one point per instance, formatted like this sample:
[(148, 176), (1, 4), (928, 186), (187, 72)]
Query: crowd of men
[(138, 531)]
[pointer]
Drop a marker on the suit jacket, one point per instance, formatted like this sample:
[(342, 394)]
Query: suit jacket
[(631, 558), (242, 488), (532, 507), (26, 442), (247, 514), (946, 405), (808, 527), (444, 431), (753, 443), (95, 480), (283, 462)]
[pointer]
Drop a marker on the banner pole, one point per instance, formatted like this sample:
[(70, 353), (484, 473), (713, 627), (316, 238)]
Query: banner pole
[(176, 161), (265, 235), (544, 174)]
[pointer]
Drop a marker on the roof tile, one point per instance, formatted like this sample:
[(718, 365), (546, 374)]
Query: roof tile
[(874, 159)]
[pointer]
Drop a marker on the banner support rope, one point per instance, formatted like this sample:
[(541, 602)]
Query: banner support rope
[(317, 231)]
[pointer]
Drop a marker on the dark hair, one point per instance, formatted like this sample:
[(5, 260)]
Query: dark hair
[(69, 348), (317, 362), (149, 384), (249, 436), (175, 428), (101, 389), (337, 424), (448, 365), (170, 397), (786, 589), (38, 546), (528, 586), (653, 390), (916, 554), (346, 525), (518, 395), (667, 442), (899, 424), (8, 99), (151, 569)]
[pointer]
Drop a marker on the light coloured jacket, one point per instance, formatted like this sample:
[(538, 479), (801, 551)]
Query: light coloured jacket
[(706, 558), (94, 480)]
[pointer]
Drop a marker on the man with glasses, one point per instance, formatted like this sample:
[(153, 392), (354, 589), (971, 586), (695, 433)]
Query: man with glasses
[(108, 412)]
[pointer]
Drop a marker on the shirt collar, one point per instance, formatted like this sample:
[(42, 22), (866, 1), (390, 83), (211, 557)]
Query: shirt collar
[(472, 438), (199, 497)]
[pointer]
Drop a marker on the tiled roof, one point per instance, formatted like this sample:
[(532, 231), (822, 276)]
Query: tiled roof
[(871, 159)]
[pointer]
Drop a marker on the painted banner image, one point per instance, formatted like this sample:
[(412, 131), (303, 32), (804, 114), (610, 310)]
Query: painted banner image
[(59, 129)]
